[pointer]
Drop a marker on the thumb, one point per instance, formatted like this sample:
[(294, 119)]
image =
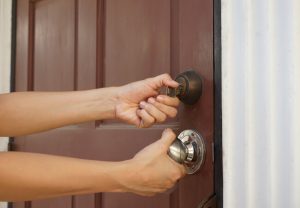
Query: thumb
[(167, 138), (165, 80)]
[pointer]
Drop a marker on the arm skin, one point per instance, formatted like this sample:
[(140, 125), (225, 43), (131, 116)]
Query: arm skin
[(137, 103), (24, 113), (28, 176), (32, 176)]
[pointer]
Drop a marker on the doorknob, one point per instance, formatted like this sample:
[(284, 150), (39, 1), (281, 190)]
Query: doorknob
[(188, 149), (190, 87)]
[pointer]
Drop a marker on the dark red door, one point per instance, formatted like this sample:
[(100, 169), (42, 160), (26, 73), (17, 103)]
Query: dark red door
[(84, 44)]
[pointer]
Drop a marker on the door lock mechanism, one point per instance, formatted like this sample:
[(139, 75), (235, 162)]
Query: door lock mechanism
[(190, 87), (188, 149)]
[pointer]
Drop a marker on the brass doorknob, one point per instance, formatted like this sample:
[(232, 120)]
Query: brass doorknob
[(190, 87), (188, 149)]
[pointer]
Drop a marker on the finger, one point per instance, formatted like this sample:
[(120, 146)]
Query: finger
[(170, 83), (146, 119), (152, 191), (147, 194), (182, 169), (165, 80), (153, 111), (167, 100), (169, 111), (168, 184), (167, 138)]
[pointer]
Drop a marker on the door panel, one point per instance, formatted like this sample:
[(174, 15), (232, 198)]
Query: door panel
[(142, 29), (54, 44), (48, 203), (79, 44)]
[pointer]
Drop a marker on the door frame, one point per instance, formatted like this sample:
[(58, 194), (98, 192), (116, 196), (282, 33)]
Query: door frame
[(218, 160), (217, 62), (13, 62)]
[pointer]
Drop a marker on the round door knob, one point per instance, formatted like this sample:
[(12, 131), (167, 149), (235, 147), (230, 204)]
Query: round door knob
[(190, 87), (188, 149), (178, 151)]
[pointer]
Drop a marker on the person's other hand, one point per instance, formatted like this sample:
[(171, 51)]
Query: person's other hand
[(140, 104), (151, 170)]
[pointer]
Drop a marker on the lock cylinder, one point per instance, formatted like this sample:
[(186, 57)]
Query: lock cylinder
[(189, 89), (188, 149)]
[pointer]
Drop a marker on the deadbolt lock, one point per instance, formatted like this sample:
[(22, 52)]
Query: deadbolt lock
[(188, 149), (190, 87)]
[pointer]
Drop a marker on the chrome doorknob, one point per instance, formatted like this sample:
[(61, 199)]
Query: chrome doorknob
[(190, 87), (188, 149)]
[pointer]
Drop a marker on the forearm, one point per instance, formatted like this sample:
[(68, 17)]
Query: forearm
[(28, 176), (29, 112)]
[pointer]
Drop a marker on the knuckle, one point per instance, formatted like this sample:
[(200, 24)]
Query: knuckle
[(176, 175), (169, 133), (151, 120), (183, 171), (148, 125), (150, 108), (172, 134), (144, 112), (169, 184), (145, 124), (161, 98), (147, 106), (163, 118), (162, 190), (166, 75), (173, 114), (176, 102)]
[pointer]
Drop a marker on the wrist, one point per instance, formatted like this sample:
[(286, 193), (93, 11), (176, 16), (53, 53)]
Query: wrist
[(104, 103), (102, 176), (120, 175)]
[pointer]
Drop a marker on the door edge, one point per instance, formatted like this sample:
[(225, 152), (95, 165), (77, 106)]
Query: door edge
[(217, 60)]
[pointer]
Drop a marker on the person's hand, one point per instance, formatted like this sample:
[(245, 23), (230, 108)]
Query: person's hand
[(138, 103), (151, 170)]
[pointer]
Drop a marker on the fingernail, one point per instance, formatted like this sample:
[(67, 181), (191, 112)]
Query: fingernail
[(174, 82), (151, 100), (142, 104), (166, 130), (159, 98)]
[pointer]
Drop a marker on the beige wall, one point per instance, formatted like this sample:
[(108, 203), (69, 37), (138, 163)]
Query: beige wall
[(5, 50)]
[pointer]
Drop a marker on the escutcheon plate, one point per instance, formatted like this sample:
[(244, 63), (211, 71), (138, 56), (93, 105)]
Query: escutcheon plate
[(193, 140)]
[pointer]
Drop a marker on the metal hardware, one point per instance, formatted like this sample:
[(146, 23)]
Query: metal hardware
[(188, 149), (211, 202), (190, 87)]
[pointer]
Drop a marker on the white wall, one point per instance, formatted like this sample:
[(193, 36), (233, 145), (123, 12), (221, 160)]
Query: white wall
[(261, 103), (5, 49)]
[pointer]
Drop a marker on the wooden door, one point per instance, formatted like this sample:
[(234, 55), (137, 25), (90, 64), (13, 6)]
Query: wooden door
[(84, 44)]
